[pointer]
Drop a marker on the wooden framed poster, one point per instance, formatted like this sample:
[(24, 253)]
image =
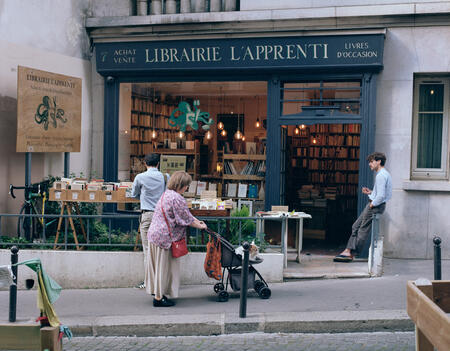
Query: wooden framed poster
[(48, 112)]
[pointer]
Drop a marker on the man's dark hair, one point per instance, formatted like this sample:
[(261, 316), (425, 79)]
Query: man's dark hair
[(377, 156), (152, 160)]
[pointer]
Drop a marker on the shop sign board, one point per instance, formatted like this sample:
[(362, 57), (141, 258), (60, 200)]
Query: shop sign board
[(172, 163), (242, 53), (48, 112)]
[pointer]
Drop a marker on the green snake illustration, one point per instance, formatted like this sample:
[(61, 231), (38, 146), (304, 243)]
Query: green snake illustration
[(48, 111)]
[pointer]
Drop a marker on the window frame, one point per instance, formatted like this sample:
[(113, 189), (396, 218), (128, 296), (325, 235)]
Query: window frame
[(431, 173)]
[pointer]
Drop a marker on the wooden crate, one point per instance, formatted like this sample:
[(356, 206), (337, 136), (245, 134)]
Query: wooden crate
[(427, 306), (16, 336)]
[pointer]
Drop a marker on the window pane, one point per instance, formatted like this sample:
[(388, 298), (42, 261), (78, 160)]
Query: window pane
[(431, 97), (345, 96), (429, 146)]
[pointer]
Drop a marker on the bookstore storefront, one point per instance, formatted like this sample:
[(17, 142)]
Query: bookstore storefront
[(260, 121)]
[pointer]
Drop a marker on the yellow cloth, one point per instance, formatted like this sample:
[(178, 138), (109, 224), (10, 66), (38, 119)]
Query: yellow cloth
[(44, 304)]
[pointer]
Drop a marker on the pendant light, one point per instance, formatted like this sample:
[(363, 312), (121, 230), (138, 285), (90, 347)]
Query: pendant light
[(238, 134), (258, 122), (296, 130), (223, 133), (180, 134), (220, 125), (208, 135), (154, 133)]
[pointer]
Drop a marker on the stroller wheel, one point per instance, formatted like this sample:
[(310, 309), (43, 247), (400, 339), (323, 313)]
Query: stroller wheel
[(264, 293), (218, 287), (223, 296), (257, 285)]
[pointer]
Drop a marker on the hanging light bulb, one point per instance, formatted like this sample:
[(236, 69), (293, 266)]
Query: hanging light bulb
[(314, 141), (296, 131), (238, 134), (208, 135), (180, 134), (243, 138), (220, 125), (302, 126), (258, 123), (154, 134), (223, 133)]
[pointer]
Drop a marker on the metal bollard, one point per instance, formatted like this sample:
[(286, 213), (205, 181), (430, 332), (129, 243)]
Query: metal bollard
[(437, 258), (244, 281), (13, 288)]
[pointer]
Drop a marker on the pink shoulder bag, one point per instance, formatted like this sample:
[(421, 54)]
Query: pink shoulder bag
[(179, 248)]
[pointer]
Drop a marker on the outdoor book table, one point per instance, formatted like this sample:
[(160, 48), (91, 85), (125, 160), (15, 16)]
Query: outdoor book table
[(428, 305), (67, 204), (284, 217)]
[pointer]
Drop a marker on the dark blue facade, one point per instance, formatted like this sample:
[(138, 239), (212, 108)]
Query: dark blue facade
[(274, 60)]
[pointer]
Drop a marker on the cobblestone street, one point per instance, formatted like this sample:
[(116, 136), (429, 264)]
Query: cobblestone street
[(399, 341)]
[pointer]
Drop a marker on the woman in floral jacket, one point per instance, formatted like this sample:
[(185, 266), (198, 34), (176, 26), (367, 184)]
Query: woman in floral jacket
[(163, 278)]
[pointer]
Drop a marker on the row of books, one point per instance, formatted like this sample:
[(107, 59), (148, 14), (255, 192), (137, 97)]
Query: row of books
[(147, 105), (337, 177), (335, 128), (241, 190), (331, 152), (250, 168), (330, 164)]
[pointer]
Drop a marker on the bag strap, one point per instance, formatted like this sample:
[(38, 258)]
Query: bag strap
[(164, 214)]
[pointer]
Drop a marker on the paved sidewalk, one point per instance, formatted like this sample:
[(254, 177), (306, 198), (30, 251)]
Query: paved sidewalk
[(302, 306)]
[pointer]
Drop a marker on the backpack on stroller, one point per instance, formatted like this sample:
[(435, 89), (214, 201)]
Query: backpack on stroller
[(232, 263)]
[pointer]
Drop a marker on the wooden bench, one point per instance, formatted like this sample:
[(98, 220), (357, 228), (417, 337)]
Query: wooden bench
[(29, 337), (428, 306)]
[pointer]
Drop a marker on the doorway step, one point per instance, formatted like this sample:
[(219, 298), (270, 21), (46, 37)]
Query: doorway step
[(321, 266)]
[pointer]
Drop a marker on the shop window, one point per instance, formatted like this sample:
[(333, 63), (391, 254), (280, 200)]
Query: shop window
[(337, 96), (430, 128), (212, 130)]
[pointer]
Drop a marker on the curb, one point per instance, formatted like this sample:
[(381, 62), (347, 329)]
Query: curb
[(230, 323)]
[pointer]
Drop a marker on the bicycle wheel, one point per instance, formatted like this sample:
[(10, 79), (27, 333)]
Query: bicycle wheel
[(27, 227)]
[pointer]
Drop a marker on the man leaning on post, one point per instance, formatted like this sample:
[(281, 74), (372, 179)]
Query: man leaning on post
[(148, 188), (378, 196)]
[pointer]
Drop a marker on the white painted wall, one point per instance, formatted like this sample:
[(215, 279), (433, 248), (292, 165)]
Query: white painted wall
[(99, 269), (47, 35), (412, 218)]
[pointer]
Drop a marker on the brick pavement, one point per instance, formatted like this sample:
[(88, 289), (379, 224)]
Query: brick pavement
[(381, 341)]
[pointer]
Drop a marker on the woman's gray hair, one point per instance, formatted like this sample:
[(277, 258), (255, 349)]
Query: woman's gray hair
[(178, 180)]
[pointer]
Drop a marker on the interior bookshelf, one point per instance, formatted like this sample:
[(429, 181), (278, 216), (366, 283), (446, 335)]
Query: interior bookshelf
[(324, 160), (245, 170), (150, 132)]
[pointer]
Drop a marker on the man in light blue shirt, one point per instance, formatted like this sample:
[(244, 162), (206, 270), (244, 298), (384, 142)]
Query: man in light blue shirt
[(148, 188), (381, 193)]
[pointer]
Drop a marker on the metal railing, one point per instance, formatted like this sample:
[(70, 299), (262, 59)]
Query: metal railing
[(109, 231)]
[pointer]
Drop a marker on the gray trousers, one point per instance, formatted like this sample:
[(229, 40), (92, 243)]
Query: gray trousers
[(362, 227), (145, 221)]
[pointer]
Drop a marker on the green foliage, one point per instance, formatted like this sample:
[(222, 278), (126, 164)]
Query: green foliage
[(12, 240)]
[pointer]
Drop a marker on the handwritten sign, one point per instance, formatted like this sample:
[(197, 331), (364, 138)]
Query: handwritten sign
[(48, 112)]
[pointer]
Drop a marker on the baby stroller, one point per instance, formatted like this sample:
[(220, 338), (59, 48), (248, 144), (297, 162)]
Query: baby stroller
[(232, 263)]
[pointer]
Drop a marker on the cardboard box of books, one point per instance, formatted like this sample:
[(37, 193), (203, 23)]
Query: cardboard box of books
[(75, 195), (57, 195), (124, 195), (93, 195), (108, 196)]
